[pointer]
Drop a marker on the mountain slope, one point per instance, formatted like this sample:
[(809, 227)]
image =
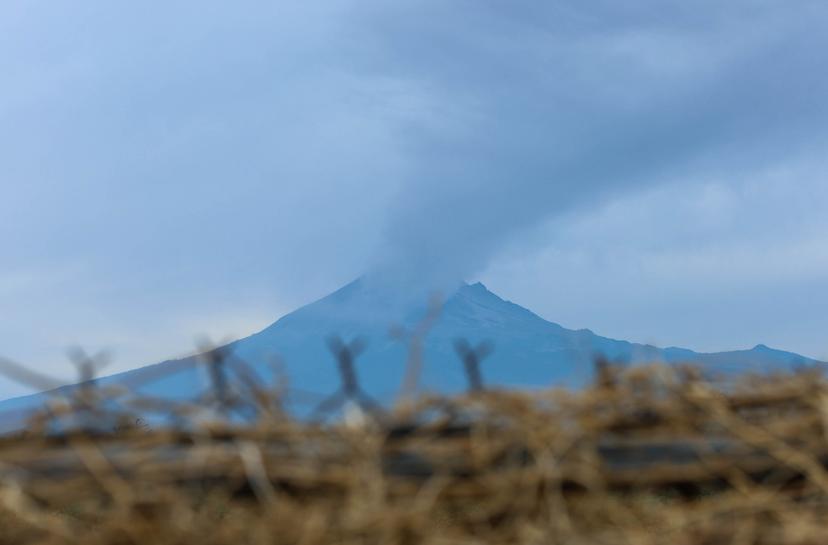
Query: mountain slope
[(529, 351)]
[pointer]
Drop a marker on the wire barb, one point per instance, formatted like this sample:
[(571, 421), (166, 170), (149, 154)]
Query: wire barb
[(471, 358), (350, 394)]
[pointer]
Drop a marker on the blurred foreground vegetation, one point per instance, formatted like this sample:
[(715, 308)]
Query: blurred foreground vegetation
[(649, 455)]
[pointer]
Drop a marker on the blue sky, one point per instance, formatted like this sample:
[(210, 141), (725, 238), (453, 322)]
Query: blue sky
[(652, 170)]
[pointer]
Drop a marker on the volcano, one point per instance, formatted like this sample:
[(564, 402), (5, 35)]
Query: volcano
[(528, 351)]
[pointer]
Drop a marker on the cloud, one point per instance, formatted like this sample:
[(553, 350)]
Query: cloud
[(735, 262)]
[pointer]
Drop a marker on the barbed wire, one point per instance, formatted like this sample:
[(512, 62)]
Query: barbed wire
[(235, 389)]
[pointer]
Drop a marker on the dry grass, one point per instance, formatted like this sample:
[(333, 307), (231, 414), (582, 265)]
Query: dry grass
[(650, 456)]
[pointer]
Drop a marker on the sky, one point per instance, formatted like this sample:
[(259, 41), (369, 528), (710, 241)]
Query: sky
[(654, 170)]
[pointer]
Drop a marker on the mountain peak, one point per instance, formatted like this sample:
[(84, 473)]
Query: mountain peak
[(529, 350)]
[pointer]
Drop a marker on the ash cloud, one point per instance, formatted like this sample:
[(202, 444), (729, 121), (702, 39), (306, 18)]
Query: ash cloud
[(535, 112)]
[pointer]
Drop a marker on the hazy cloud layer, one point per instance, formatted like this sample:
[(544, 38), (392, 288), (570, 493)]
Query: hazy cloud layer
[(206, 166), (540, 110), (733, 263)]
